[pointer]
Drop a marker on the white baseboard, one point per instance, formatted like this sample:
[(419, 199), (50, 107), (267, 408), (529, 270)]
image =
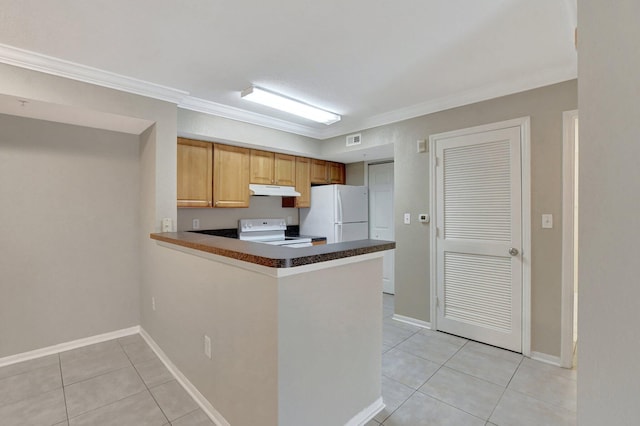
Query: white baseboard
[(412, 321), (74, 344), (367, 414), (547, 359), (206, 406)]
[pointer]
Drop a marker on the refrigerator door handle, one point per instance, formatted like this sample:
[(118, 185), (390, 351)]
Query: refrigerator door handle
[(338, 206)]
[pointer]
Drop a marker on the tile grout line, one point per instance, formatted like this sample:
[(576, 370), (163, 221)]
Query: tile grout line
[(505, 388), (417, 390), (143, 382), (436, 372), (64, 393), (121, 399)]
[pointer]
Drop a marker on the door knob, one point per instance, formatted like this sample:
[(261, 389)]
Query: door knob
[(513, 251)]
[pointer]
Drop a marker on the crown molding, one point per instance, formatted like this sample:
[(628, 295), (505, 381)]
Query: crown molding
[(208, 107), (503, 88), (35, 61), (59, 67)]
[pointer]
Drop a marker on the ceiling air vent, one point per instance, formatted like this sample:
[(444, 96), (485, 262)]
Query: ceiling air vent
[(354, 139)]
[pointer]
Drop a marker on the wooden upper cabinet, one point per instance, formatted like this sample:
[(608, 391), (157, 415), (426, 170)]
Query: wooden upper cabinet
[(284, 170), (262, 167), (318, 171), (303, 185), (335, 173), (324, 172), (230, 176), (194, 173), (269, 168)]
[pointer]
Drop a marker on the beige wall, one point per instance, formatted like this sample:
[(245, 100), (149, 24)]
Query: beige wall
[(236, 308), (212, 128), (260, 207), (155, 191), (279, 356), (69, 257), (545, 107), (355, 173), (609, 230)]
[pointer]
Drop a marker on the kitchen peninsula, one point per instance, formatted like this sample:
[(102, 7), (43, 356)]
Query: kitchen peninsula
[(296, 332)]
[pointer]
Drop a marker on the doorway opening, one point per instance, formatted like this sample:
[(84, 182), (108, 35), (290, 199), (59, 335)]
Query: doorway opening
[(381, 224), (570, 208)]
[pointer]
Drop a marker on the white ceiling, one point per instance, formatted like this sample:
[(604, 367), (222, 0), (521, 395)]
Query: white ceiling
[(372, 61)]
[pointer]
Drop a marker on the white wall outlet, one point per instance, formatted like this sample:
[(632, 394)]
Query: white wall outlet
[(196, 224), (547, 221), (167, 224), (407, 218), (424, 217), (153, 303), (207, 346), (421, 146)]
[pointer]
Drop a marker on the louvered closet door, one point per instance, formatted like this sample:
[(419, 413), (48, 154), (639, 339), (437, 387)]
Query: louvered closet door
[(479, 282)]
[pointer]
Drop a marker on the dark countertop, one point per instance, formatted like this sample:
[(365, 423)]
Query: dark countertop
[(272, 256)]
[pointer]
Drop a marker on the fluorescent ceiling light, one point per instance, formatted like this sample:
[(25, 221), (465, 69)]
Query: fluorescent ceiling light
[(273, 100)]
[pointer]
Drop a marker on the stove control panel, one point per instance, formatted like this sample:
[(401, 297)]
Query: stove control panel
[(257, 225)]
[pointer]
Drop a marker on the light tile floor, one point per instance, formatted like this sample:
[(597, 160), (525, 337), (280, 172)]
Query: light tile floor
[(428, 378), (433, 378), (119, 382)]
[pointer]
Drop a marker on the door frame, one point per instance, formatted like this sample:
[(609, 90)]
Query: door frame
[(525, 151), (568, 255)]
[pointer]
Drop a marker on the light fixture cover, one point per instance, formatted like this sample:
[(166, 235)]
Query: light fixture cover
[(283, 103)]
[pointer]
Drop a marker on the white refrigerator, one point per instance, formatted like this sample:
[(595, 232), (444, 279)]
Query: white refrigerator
[(338, 212)]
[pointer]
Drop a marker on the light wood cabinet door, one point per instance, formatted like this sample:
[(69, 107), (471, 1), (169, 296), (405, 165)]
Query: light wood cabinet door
[(303, 185), (335, 173), (318, 171), (303, 182), (284, 169), (194, 173), (262, 167), (230, 176)]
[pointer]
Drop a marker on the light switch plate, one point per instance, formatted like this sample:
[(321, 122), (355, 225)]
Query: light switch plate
[(407, 218), (547, 221)]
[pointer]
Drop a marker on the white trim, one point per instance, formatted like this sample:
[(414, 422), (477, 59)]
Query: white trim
[(546, 358), (192, 103), (525, 128), (432, 234), (366, 414), (412, 321), (568, 198), (492, 91), (206, 406), (67, 69), (67, 346)]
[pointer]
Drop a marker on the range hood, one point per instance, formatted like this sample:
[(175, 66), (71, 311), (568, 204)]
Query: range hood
[(273, 190)]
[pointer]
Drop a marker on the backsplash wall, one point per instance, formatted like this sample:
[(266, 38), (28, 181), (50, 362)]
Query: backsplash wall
[(259, 207)]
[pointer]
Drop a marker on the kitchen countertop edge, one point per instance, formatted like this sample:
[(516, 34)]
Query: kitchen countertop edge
[(272, 256)]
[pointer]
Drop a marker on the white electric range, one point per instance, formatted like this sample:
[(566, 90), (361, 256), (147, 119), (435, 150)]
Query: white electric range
[(269, 231)]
